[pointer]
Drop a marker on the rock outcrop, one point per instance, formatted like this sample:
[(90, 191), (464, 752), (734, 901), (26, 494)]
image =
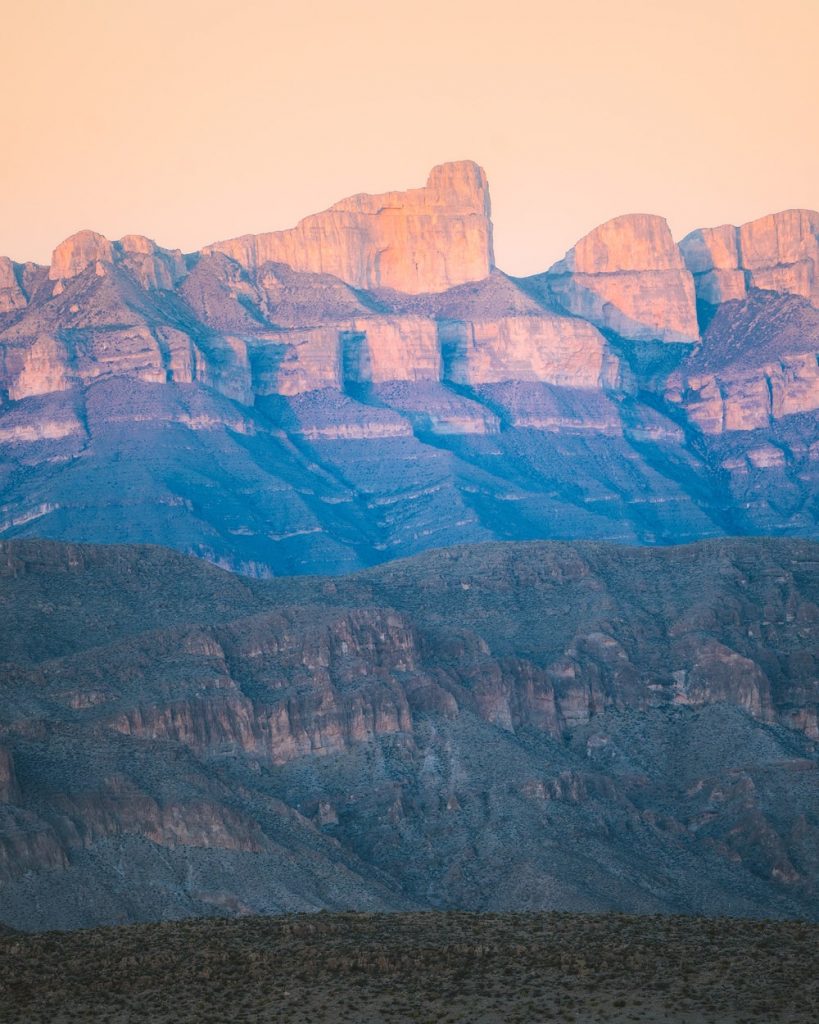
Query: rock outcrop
[(629, 277), (553, 349), (12, 296), (380, 350), (153, 266), (150, 265), (35, 366), (779, 252), (348, 354), (759, 363), (423, 240), (712, 256), (78, 252)]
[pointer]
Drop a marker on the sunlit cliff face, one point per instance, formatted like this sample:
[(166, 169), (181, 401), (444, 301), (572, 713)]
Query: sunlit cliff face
[(619, 394)]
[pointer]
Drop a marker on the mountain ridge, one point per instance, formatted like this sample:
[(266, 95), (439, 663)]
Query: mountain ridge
[(573, 726), (283, 420)]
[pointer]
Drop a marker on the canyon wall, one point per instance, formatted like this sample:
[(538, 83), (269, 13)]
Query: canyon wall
[(629, 277)]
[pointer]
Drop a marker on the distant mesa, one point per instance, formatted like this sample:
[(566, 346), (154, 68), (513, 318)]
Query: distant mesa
[(424, 240), (368, 384), (626, 276)]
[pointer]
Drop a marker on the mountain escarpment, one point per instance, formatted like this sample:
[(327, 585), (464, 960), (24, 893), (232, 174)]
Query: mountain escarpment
[(520, 726), (369, 385)]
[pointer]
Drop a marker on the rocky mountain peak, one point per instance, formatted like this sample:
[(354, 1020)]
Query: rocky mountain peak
[(632, 242), (778, 252), (460, 180), (12, 296), (785, 237), (417, 241), (629, 277), (151, 265), (79, 251)]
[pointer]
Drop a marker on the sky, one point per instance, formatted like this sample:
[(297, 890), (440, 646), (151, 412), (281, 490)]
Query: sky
[(194, 120)]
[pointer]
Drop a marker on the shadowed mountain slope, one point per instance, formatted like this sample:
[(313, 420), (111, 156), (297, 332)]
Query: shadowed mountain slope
[(520, 726)]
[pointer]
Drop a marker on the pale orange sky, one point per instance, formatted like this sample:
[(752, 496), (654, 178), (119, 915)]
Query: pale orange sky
[(195, 120)]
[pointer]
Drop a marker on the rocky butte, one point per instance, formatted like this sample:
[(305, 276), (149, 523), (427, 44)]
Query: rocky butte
[(368, 384), (630, 277)]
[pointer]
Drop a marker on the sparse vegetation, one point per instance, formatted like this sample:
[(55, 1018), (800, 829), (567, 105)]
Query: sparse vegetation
[(423, 967)]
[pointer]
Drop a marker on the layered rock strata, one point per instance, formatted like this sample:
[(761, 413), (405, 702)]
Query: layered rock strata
[(296, 422), (628, 276), (548, 348), (423, 240), (779, 253)]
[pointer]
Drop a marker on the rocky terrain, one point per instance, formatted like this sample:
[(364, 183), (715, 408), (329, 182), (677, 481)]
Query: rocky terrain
[(450, 968), (498, 727), (368, 385)]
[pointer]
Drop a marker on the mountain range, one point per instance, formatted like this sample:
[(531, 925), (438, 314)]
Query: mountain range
[(492, 727), (368, 385), (368, 701)]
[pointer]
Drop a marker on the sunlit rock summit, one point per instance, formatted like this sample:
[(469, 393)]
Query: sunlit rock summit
[(368, 384), (630, 277), (778, 253), (424, 240)]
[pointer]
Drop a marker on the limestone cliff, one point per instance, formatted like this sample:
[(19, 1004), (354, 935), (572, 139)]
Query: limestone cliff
[(423, 240), (779, 252), (549, 348), (81, 250), (150, 265), (12, 296), (629, 277), (712, 256), (297, 422)]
